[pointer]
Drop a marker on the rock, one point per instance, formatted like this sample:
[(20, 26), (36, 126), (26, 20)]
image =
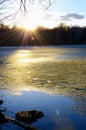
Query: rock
[(23, 116), (2, 118), (30, 128), (78, 88), (1, 101), (29, 116), (20, 124)]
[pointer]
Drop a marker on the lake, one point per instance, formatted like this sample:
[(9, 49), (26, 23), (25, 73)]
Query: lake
[(50, 79)]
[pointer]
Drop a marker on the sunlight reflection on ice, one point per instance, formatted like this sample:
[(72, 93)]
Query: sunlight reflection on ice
[(27, 60), (26, 56), (23, 54), (32, 60)]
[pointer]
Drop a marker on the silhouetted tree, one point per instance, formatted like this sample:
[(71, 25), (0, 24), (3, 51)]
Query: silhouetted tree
[(42, 36)]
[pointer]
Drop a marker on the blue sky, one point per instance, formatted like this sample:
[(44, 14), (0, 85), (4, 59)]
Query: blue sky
[(70, 6), (70, 12)]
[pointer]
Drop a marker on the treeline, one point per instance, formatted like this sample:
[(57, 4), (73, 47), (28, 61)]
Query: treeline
[(42, 36)]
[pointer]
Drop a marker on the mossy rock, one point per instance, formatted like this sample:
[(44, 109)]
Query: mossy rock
[(29, 116)]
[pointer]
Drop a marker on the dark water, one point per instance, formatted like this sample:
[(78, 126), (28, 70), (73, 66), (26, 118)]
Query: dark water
[(59, 110)]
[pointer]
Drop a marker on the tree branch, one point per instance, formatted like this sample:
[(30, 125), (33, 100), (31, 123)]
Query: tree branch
[(22, 8)]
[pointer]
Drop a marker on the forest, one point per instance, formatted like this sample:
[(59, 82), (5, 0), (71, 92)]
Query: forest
[(60, 35)]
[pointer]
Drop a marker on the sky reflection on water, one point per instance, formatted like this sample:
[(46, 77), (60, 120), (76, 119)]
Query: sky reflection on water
[(56, 108), (25, 73)]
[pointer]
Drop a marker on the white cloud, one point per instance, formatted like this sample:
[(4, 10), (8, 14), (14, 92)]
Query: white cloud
[(69, 17)]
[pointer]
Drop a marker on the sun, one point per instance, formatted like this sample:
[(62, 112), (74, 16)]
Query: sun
[(31, 22)]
